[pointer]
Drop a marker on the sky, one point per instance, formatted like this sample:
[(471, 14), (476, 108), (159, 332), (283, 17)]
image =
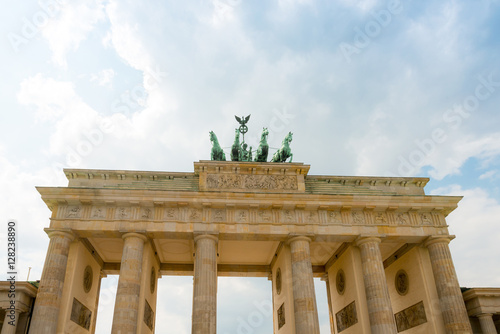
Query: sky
[(368, 87)]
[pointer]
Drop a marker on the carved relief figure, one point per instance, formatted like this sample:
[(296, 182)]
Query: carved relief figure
[(334, 217), (380, 219), (74, 212), (346, 317), (358, 217), (194, 214), (281, 316), (312, 217), (231, 181), (219, 215), (123, 213), (146, 213), (288, 215), (99, 213), (265, 215), (242, 216), (171, 213), (426, 219), (403, 219), (87, 279), (401, 282)]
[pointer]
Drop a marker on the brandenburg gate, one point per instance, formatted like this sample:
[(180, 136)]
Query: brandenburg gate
[(379, 243)]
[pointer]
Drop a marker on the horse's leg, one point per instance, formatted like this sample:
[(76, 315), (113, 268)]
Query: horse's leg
[(291, 156)]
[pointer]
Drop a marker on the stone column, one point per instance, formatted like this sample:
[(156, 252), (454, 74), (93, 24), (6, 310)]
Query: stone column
[(101, 275), (451, 301), (377, 294), (304, 297), (329, 298), (204, 318), (48, 300), (129, 285), (8, 328), (486, 321)]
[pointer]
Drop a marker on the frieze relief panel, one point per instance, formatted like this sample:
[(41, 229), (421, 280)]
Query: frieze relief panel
[(410, 317), (194, 215), (358, 218), (80, 314), (265, 216), (123, 213), (242, 216), (288, 216), (310, 217), (146, 213), (232, 214), (98, 212), (346, 317), (251, 182), (171, 214), (74, 211), (218, 215), (334, 217), (380, 218), (403, 218)]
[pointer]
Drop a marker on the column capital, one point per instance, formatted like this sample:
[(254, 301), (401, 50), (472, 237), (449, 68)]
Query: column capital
[(65, 233), (298, 238), (365, 239), (485, 315), (136, 235), (433, 239), (206, 236)]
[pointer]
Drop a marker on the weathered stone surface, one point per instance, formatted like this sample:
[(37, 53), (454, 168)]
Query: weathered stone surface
[(46, 312), (450, 297), (127, 294), (377, 295), (204, 318)]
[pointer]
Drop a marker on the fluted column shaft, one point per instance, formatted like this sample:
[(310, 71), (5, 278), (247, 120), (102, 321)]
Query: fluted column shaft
[(377, 294), (129, 285), (451, 301), (48, 299), (13, 317), (487, 324), (204, 319), (304, 297)]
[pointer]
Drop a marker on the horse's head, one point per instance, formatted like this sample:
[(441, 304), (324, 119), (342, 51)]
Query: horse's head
[(213, 137), (265, 132)]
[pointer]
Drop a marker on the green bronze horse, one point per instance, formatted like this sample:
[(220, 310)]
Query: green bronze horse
[(263, 150), (235, 149), (284, 152), (217, 152)]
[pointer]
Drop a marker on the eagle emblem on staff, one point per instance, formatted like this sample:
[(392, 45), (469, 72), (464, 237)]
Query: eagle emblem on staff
[(243, 121)]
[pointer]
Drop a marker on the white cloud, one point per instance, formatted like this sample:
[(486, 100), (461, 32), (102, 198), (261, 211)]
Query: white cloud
[(125, 38), (363, 5), (488, 175), (104, 77), (52, 98), (66, 30), (448, 158)]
